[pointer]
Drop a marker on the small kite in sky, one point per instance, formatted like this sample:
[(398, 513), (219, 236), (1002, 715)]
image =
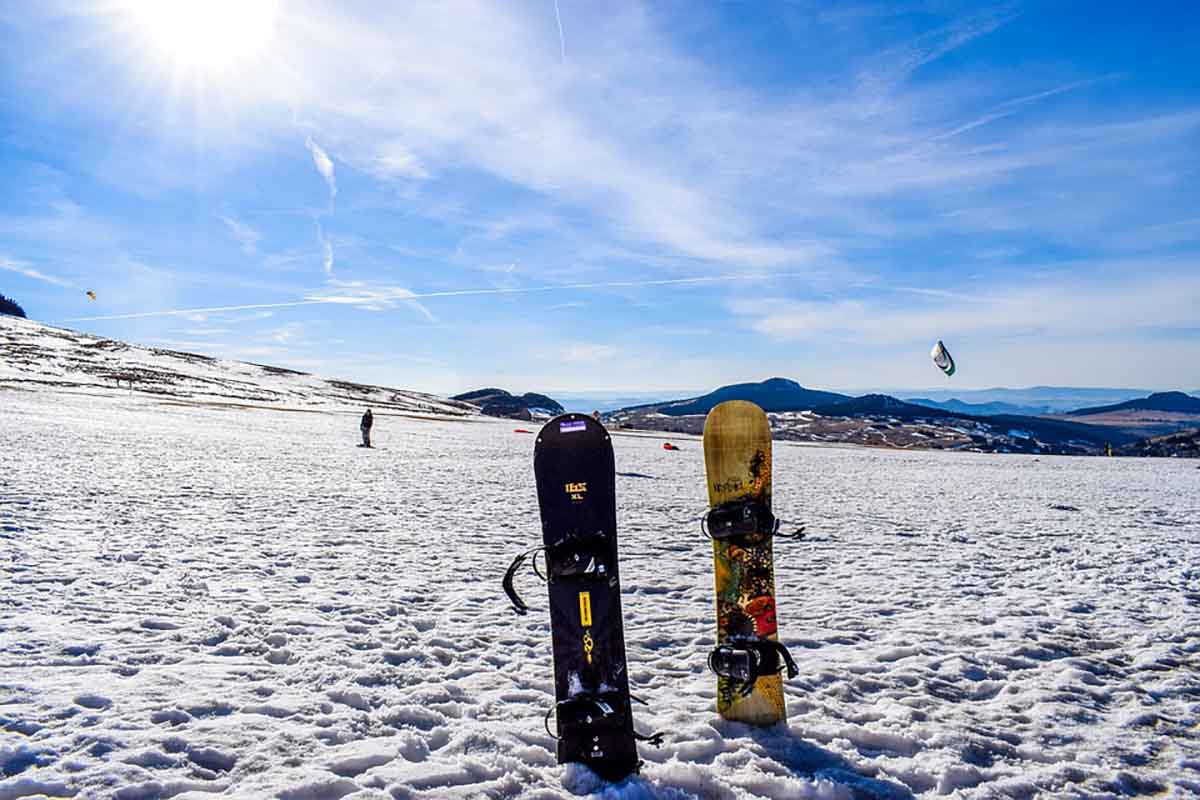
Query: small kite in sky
[(941, 357), (91, 295)]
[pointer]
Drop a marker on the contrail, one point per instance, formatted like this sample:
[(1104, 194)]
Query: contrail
[(562, 42), (351, 300)]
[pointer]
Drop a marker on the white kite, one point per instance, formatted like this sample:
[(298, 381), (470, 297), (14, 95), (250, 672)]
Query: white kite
[(941, 357)]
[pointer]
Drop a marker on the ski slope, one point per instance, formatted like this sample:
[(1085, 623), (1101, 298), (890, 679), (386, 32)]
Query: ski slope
[(34, 355), (200, 601)]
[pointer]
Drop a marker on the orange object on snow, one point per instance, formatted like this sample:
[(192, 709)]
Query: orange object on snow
[(669, 446)]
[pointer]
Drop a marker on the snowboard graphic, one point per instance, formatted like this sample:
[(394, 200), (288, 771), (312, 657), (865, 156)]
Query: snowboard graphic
[(576, 486), (737, 461)]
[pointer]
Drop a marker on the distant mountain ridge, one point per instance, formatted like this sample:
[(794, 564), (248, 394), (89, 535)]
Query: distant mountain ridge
[(1183, 444), (771, 395), (979, 409), (880, 404), (877, 418), (1176, 402), (1049, 399), (494, 402)]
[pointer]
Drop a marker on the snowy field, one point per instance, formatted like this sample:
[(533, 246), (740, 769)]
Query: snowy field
[(199, 601)]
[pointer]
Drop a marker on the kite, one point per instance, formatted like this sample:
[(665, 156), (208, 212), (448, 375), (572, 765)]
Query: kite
[(941, 357), (91, 295)]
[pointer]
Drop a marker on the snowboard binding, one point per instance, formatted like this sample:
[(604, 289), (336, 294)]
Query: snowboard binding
[(744, 661), (601, 711), (573, 557), (747, 521)]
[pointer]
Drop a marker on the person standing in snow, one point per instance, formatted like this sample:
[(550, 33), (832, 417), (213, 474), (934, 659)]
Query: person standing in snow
[(365, 427)]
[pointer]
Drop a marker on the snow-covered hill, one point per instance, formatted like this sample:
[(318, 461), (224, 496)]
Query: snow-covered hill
[(37, 356), (200, 601)]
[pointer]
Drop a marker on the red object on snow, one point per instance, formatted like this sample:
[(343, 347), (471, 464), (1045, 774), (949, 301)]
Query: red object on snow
[(521, 430), (669, 446)]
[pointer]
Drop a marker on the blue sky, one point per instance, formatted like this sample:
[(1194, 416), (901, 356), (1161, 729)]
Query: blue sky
[(658, 197)]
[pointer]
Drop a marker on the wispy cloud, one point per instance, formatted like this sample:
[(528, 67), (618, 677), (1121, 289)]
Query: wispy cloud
[(21, 268), (326, 250), (324, 165), (382, 297), (562, 40), (287, 334), (896, 64), (371, 298), (1131, 297), (393, 160), (245, 235)]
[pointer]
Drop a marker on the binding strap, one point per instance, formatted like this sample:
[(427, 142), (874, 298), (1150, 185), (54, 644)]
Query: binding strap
[(519, 605), (569, 558), (600, 704), (655, 739), (578, 558), (795, 535), (744, 661), (744, 519)]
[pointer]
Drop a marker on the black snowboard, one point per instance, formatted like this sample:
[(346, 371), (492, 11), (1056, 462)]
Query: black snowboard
[(573, 463)]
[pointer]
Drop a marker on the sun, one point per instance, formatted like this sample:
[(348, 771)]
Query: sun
[(210, 37)]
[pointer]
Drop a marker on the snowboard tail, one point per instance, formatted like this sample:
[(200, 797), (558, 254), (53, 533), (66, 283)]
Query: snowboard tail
[(576, 485), (737, 460)]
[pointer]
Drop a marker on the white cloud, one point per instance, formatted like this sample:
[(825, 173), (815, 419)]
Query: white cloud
[(394, 160), (245, 235), (326, 249), (1158, 296), (287, 334), (21, 268), (326, 252), (324, 165), (370, 297)]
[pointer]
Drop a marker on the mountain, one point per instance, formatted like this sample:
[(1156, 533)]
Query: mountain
[(878, 420), (773, 394), (1049, 431), (1049, 399), (1183, 444), (979, 409), (881, 404), (1173, 402), (34, 356), (494, 402), (603, 401)]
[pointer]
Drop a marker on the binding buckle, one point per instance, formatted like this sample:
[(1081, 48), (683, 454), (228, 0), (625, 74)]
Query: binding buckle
[(742, 519), (744, 661)]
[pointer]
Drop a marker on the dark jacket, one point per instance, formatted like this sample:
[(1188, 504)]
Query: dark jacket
[(367, 421)]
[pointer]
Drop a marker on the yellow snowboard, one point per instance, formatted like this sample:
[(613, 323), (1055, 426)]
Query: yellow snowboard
[(737, 461)]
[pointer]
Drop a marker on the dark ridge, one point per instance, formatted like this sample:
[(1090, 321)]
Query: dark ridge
[(494, 402), (1184, 444), (11, 307), (1159, 401), (882, 404), (978, 409), (1039, 427), (480, 394), (771, 395)]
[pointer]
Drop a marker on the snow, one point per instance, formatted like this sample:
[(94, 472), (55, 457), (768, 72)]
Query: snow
[(40, 356), (200, 601)]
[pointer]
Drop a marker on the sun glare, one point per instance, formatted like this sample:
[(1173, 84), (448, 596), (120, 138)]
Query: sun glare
[(207, 36)]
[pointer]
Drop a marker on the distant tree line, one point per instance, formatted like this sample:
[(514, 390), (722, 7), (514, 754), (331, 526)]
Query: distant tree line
[(10, 307)]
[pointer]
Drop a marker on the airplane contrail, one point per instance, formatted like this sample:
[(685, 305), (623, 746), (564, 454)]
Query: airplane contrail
[(562, 42), (402, 295)]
